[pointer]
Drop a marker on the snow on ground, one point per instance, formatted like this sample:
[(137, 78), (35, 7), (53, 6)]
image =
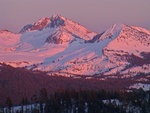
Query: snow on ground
[(26, 108), (142, 80), (114, 101), (145, 87), (130, 40), (8, 41)]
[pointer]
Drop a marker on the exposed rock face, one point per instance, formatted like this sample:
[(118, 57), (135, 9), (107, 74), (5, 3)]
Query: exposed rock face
[(56, 21)]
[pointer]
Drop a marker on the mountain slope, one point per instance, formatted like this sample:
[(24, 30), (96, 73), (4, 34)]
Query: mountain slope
[(128, 50), (61, 46), (110, 54), (8, 40)]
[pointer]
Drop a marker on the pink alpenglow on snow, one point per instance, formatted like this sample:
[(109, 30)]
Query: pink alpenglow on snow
[(62, 46)]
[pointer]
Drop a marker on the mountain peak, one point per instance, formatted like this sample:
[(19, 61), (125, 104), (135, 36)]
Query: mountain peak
[(53, 21), (67, 30), (57, 20), (57, 16)]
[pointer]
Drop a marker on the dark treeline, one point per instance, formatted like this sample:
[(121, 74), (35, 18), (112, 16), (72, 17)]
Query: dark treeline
[(85, 101), (36, 92), (91, 101), (20, 82), (82, 101)]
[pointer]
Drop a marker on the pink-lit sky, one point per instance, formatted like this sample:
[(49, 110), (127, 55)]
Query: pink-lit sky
[(96, 15)]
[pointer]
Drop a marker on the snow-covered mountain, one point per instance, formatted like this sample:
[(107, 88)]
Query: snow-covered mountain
[(64, 47)]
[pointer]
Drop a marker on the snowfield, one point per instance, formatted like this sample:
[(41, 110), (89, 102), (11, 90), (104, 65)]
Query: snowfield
[(60, 45)]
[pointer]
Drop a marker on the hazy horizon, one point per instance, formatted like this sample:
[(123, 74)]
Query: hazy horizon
[(94, 15)]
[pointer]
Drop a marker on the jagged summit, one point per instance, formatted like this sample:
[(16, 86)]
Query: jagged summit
[(67, 30), (53, 21), (58, 30), (57, 20)]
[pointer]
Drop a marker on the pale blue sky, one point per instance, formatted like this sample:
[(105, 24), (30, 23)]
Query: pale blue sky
[(96, 15)]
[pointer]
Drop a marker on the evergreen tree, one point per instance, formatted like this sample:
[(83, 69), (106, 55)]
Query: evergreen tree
[(43, 98), (8, 104), (1, 109), (34, 100)]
